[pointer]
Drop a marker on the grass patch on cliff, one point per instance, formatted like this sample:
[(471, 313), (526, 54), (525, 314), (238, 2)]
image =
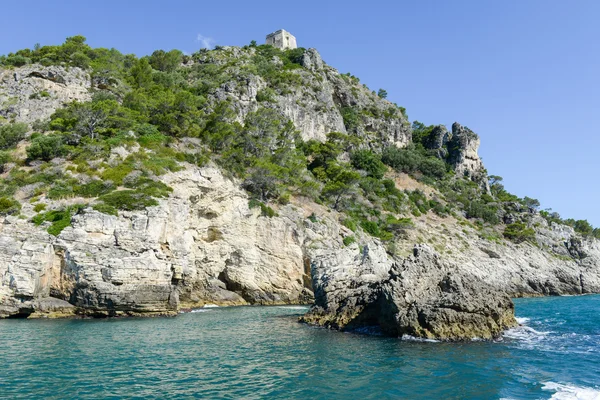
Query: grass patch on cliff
[(9, 206), (106, 209), (59, 219), (128, 200), (265, 210)]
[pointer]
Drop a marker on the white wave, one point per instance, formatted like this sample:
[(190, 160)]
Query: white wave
[(525, 333), (303, 308), (197, 310), (410, 338), (522, 320), (210, 306), (571, 392)]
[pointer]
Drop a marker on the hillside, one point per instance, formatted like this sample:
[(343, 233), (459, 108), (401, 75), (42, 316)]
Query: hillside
[(254, 176)]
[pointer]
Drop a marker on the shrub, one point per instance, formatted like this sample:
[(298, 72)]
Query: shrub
[(166, 61), (9, 206), (4, 159), (402, 160), (60, 219), (583, 227), (149, 187), (11, 134), (39, 207), (151, 139), (519, 232), (478, 209), (106, 209), (348, 240), (94, 189), (17, 60), (265, 210), (350, 224), (128, 200), (266, 94), (369, 162), (351, 118), (116, 174), (371, 227), (80, 60), (433, 167), (60, 190), (46, 148)]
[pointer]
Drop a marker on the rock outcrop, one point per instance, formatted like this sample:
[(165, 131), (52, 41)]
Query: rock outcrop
[(463, 156), (34, 92), (325, 101), (202, 245), (420, 296)]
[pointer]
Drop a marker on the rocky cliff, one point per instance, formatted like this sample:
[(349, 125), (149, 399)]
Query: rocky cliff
[(323, 101), (445, 274), (34, 92)]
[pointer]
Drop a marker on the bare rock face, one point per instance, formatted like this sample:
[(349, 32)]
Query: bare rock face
[(437, 141), (34, 92), (421, 296), (201, 245), (463, 156)]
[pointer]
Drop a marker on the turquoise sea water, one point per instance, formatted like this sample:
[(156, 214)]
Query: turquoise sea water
[(262, 352)]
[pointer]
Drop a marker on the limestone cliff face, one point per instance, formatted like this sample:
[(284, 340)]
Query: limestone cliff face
[(463, 156), (316, 106), (202, 245), (420, 296), (34, 92)]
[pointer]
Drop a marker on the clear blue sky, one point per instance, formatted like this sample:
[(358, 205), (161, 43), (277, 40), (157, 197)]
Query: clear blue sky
[(524, 74)]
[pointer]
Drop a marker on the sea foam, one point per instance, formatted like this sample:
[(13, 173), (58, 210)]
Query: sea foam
[(571, 392), (526, 334), (410, 338)]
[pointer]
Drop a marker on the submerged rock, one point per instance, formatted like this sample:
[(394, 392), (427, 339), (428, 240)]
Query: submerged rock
[(422, 296)]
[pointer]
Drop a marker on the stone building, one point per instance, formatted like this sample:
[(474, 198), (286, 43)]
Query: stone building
[(282, 39)]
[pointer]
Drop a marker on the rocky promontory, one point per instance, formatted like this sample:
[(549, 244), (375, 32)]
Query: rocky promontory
[(421, 296), (253, 175)]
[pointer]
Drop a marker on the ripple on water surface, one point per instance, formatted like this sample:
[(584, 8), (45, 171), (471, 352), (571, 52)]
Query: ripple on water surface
[(259, 352)]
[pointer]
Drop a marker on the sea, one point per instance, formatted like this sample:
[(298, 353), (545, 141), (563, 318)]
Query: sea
[(264, 353)]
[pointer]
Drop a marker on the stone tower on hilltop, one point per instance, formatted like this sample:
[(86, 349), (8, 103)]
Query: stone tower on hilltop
[(282, 39)]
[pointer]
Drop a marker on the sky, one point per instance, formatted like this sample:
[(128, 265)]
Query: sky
[(523, 74)]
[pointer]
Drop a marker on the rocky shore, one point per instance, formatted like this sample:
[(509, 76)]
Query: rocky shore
[(443, 277)]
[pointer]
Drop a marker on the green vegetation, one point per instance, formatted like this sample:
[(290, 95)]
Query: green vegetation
[(9, 206), (265, 210), (106, 209), (39, 207), (519, 232), (11, 134), (348, 240), (150, 115), (128, 200), (59, 219), (46, 148)]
